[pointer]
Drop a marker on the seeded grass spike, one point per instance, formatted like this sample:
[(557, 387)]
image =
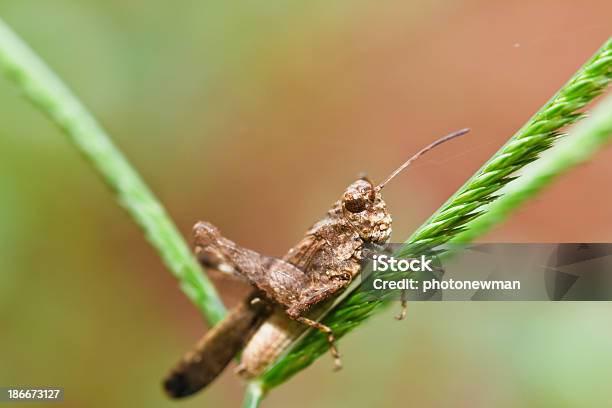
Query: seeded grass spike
[(584, 140), (465, 206)]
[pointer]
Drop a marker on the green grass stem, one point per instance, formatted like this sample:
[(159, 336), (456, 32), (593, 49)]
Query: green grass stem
[(49, 94)]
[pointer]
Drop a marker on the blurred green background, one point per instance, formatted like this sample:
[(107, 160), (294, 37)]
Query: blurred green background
[(255, 116)]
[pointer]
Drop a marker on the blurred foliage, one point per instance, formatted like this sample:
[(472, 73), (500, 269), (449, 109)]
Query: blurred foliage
[(222, 107)]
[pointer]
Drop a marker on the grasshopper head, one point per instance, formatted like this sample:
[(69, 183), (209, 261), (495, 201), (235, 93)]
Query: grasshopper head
[(364, 208)]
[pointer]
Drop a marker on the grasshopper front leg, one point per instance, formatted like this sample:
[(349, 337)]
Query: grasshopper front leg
[(316, 296)]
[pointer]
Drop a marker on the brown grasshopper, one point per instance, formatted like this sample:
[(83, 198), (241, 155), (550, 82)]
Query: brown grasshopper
[(323, 263)]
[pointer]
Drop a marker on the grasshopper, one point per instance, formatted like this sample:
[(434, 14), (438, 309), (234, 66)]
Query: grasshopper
[(288, 293)]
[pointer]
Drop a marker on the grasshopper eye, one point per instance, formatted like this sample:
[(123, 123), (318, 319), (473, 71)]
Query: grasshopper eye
[(355, 205)]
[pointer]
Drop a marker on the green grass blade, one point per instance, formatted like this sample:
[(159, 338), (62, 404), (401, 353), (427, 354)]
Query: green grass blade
[(465, 206), (47, 92)]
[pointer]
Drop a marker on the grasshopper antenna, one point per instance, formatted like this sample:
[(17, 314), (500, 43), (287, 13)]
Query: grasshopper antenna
[(420, 153)]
